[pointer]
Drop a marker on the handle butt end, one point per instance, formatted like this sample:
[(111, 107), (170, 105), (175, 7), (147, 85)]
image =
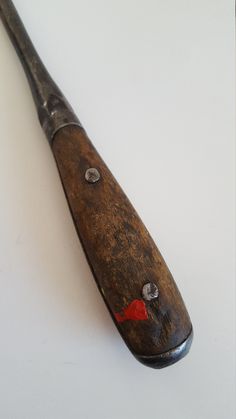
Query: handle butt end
[(167, 358)]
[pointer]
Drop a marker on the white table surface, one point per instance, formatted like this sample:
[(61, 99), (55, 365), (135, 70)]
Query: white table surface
[(152, 82)]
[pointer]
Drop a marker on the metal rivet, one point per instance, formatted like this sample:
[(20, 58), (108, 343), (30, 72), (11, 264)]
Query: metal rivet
[(92, 175), (150, 291)]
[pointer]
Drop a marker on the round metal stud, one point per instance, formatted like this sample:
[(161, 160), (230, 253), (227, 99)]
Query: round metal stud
[(150, 291), (92, 175)]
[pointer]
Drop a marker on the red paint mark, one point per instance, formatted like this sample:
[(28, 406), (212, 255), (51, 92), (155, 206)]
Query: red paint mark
[(136, 310)]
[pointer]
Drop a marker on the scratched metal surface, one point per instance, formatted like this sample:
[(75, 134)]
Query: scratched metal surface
[(162, 73)]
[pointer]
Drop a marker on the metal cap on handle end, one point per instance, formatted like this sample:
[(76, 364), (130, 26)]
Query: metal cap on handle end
[(167, 358)]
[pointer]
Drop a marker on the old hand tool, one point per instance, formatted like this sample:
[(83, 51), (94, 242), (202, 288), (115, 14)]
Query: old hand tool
[(130, 272)]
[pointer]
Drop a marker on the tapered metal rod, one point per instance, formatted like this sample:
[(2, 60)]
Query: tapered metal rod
[(54, 111)]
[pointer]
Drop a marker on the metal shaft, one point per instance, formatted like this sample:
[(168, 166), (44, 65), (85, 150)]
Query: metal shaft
[(53, 109)]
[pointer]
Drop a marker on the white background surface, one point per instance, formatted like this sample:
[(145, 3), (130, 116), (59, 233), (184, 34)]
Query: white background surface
[(152, 82)]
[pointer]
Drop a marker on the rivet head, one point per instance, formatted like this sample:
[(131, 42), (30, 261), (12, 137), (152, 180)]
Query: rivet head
[(150, 291), (92, 175)]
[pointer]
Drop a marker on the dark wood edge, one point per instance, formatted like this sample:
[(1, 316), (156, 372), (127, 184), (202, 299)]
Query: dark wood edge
[(167, 358)]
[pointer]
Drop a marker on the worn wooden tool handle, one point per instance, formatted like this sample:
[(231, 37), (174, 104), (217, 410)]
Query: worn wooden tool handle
[(129, 270)]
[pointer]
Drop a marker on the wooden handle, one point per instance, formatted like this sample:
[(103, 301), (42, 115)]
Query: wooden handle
[(130, 272)]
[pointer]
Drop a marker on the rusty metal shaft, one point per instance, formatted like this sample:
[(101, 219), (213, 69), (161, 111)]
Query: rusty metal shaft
[(54, 111)]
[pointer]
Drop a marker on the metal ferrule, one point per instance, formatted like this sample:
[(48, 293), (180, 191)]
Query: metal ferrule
[(54, 111)]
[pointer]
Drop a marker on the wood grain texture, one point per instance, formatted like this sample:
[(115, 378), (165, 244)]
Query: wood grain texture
[(119, 249)]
